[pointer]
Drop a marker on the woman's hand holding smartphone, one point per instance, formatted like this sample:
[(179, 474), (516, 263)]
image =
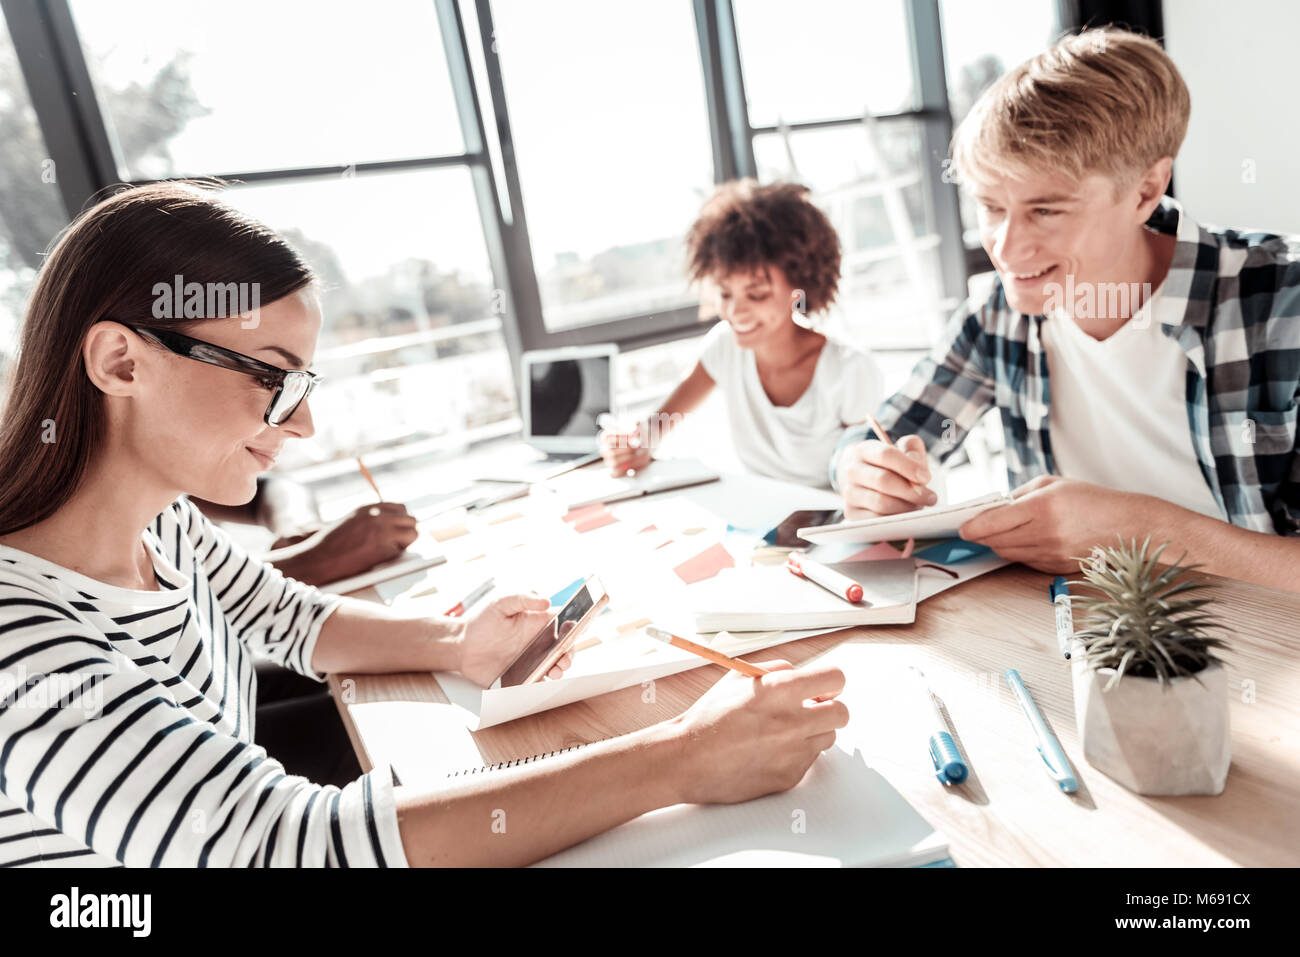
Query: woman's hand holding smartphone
[(494, 636)]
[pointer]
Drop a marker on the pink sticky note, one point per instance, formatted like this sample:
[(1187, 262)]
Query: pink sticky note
[(592, 522), (879, 552), (705, 565)]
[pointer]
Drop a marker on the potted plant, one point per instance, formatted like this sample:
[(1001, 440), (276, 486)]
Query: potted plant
[(1150, 697)]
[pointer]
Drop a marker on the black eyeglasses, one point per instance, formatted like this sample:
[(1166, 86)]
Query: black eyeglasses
[(291, 386)]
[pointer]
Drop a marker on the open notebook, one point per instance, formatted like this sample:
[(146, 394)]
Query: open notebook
[(842, 814), (595, 485), (770, 598), (937, 521)]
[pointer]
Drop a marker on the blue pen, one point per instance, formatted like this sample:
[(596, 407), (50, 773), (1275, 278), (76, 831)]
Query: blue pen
[(1060, 595), (948, 765), (1058, 765)]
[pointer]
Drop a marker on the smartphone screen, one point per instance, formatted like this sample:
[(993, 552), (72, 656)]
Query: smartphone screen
[(552, 633), (784, 535)]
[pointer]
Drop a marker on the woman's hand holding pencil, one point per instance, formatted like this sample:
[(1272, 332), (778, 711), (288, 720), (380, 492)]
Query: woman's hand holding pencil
[(756, 737), (878, 477)]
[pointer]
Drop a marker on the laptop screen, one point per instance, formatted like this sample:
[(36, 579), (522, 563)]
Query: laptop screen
[(566, 396)]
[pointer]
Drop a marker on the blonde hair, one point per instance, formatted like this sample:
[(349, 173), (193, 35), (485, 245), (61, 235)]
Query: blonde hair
[(1102, 101)]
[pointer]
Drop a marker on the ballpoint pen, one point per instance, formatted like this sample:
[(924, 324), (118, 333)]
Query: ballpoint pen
[(948, 764), (1058, 765), (1059, 592)]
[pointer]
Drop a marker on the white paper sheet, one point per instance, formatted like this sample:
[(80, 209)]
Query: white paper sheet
[(851, 817)]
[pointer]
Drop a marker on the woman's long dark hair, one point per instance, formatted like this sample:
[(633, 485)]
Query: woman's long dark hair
[(106, 265)]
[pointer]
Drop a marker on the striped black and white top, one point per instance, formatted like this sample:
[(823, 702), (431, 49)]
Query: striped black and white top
[(126, 717)]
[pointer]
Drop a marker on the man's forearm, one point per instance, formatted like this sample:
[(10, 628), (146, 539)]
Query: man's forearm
[(1224, 549), (369, 638)]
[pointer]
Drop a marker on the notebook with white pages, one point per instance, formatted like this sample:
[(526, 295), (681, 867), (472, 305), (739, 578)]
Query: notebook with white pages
[(595, 485), (842, 814), (414, 559), (771, 598), (937, 521)]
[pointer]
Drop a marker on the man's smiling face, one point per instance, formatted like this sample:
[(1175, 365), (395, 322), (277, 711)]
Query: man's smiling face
[(1038, 231)]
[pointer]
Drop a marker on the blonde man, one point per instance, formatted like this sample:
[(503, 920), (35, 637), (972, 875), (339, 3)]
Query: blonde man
[(1172, 350)]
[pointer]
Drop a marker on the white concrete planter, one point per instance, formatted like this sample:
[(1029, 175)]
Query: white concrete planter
[(1152, 739)]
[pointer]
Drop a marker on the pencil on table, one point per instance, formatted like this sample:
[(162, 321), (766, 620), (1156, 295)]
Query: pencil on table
[(717, 657)]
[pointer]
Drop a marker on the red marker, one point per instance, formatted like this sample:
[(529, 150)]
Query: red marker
[(828, 578), (458, 609)]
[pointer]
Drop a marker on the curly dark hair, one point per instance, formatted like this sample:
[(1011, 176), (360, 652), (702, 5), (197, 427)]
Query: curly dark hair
[(746, 226)]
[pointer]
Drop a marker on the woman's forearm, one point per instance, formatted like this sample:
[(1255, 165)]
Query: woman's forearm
[(521, 815), (369, 638), (1224, 549)]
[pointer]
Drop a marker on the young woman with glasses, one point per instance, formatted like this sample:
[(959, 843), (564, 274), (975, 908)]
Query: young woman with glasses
[(127, 619)]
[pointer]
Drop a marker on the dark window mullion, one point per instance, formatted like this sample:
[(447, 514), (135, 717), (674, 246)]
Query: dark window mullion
[(328, 172), (58, 83), (486, 195), (925, 31), (524, 291)]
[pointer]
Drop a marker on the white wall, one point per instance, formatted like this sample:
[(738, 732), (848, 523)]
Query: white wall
[(1239, 61)]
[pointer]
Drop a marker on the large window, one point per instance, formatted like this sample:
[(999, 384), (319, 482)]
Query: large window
[(472, 178), (834, 103), (611, 136), (380, 201)]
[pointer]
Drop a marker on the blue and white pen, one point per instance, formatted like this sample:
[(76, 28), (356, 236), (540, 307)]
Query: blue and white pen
[(1049, 748), (948, 764), (1060, 595)]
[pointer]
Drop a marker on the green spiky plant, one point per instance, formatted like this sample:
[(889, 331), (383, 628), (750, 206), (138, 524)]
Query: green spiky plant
[(1143, 624)]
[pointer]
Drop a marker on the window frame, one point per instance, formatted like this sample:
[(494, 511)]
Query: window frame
[(55, 70)]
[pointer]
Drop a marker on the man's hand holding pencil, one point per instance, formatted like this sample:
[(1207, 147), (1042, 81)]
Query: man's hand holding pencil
[(878, 477)]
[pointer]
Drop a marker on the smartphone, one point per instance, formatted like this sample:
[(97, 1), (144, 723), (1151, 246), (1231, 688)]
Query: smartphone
[(556, 637), (784, 535)]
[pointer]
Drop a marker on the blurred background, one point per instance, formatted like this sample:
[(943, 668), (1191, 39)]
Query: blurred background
[(474, 178)]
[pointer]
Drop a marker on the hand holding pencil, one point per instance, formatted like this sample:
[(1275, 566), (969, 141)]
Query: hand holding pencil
[(758, 737), (878, 477)]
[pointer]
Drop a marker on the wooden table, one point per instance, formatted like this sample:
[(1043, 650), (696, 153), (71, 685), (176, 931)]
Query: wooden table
[(1008, 812)]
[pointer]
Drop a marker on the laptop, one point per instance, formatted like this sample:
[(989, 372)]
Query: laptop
[(562, 395)]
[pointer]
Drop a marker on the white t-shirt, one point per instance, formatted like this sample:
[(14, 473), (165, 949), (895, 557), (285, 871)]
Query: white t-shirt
[(1118, 409), (791, 443)]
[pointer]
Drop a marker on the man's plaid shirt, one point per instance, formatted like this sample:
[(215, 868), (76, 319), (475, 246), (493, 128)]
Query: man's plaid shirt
[(1240, 328)]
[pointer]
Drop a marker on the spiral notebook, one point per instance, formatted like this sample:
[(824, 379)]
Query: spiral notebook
[(842, 814)]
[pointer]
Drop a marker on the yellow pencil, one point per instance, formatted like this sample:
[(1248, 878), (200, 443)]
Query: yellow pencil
[(717, 657), (365, 474)]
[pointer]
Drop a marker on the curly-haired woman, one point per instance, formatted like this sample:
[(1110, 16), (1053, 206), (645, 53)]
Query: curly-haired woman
[(772, 258)]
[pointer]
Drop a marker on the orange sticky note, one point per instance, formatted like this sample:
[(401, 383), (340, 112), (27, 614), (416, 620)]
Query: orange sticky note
[(705, 565)]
